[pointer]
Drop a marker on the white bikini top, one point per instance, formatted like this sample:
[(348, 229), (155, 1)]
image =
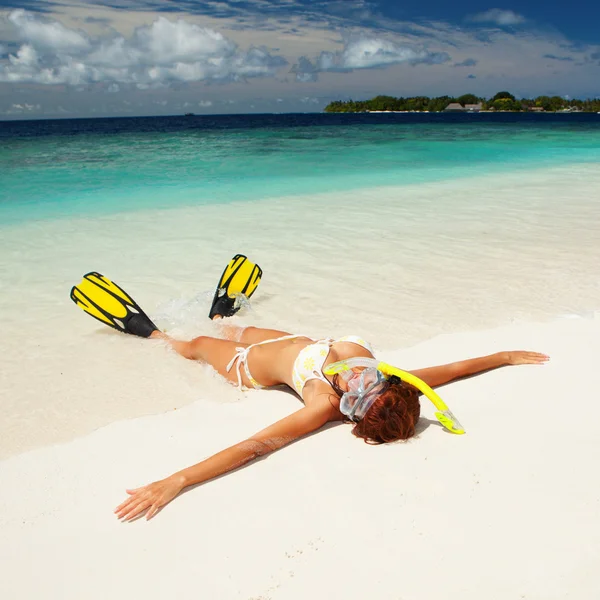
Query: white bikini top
[(309, 363)]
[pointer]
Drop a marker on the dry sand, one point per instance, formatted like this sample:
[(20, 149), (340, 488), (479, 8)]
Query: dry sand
[(507, 511)]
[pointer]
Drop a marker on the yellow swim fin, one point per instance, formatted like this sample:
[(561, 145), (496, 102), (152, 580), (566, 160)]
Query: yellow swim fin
[(240, 278), (104, 300)]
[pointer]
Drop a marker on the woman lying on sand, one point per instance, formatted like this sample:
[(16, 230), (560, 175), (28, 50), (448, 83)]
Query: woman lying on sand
[(266, 357), (381, 409)]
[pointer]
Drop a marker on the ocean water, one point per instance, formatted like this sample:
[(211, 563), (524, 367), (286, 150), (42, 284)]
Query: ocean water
[(400, 228), (87, 167)]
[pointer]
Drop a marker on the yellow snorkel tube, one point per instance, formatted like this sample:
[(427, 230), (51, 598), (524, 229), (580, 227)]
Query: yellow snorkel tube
[(444, 414)]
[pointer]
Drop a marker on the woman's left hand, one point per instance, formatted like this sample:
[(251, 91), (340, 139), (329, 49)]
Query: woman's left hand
[(149, 497), (523, 357)]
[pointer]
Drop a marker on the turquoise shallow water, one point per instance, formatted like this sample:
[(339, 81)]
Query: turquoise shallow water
[(88, 167)]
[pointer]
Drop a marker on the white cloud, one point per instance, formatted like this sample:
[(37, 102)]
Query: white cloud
[(365, 53), (154, 56), (24, 107), (25, 57), (205, 103), (166, 42), (47, 34), (498, 16), (306, 77)]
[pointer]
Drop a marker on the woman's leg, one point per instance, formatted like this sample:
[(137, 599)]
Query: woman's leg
[(213, 351), (248, 335), (254, 335), (218, 353)]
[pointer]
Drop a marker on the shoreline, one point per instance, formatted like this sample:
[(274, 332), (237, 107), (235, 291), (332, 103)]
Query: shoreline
[(210, 391), (472, 112)]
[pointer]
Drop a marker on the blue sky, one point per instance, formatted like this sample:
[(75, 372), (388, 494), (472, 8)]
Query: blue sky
[(77, 58)]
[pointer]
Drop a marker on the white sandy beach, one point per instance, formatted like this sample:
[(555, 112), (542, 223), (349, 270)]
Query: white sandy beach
[(507, 511)]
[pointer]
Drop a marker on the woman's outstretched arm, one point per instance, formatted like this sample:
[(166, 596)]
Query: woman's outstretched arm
[(435, 376), (151, 497)]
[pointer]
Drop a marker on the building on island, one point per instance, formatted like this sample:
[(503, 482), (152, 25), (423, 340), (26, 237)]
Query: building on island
[(456, 107)]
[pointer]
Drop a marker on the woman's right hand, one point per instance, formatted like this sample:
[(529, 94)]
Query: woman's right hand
[(149, 497)]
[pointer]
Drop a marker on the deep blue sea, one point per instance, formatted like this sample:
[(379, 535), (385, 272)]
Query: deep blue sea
[(83, 167)]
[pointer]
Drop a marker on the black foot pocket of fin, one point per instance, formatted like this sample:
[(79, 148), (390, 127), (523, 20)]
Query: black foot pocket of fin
[(108, 303), (139, 324), (226, 306), (238, 282)]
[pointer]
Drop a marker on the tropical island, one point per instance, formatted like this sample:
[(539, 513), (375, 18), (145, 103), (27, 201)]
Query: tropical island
[(501, 102)]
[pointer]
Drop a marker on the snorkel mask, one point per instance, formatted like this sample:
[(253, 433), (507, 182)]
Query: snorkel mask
[(365, 387)]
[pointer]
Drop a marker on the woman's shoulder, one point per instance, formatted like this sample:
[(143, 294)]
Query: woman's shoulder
[(357, 340), (318, 394)]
